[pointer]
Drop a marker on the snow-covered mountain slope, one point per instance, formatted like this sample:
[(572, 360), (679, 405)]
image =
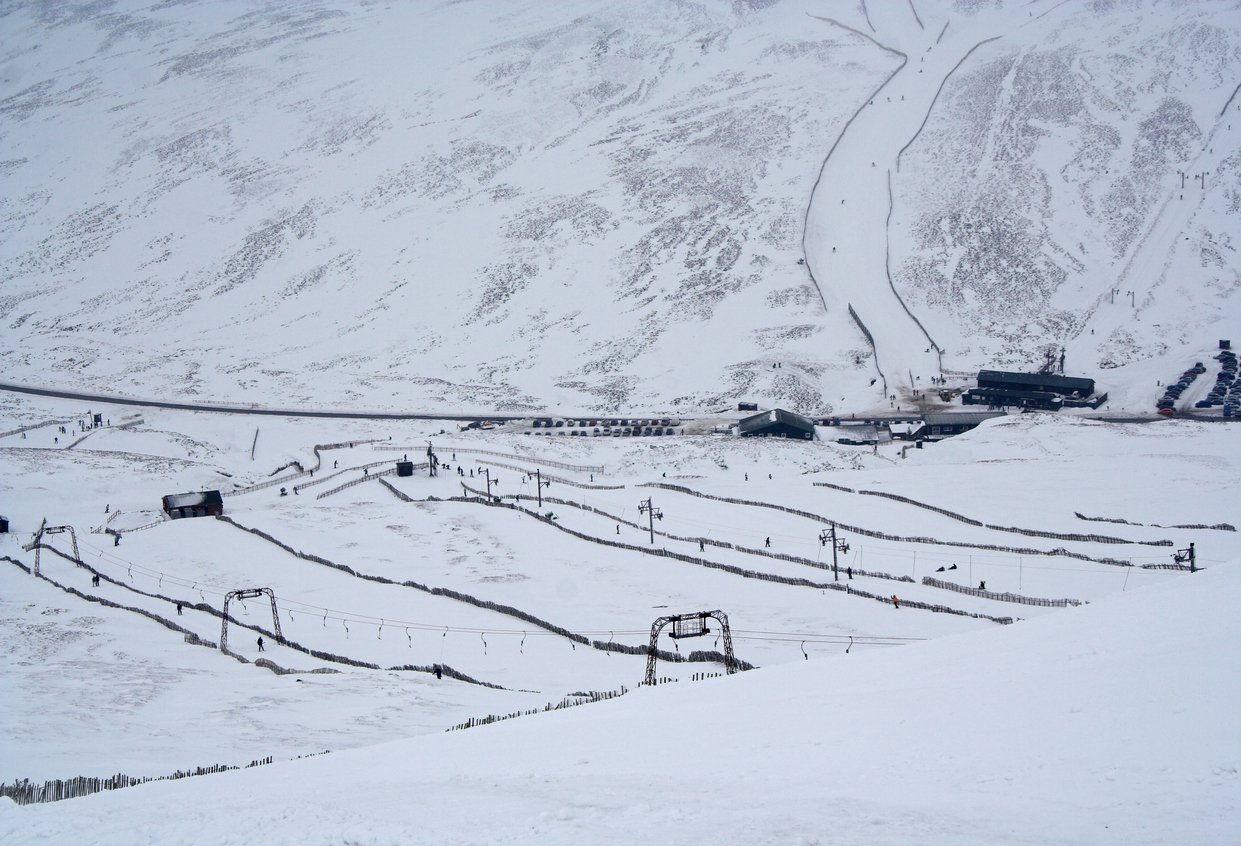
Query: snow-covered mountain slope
[(602, 206), (1107, 724)]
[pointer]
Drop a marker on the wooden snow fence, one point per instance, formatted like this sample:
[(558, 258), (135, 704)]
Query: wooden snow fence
[(872, 533), (545, 462), (570, 701), (1219, 527), (1015, 530), (29, 427), (480, 497), (391, 471), (1000, 597), (508, 610), (317, 449), (24, 793), (193, 639)]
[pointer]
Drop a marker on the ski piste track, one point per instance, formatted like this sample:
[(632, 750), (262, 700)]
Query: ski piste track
[(851, 201)]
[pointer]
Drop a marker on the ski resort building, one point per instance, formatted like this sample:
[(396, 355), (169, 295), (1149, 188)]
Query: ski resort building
[(776, 423), (936, 425), (1065, 386), (200, 504), (999, 389)]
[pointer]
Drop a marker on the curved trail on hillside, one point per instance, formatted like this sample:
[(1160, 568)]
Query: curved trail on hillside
[(851, 201)]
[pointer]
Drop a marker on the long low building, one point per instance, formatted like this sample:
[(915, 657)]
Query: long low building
[(1067, 386)]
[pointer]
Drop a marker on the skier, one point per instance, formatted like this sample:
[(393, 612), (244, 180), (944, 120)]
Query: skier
[(95, 580), (768, 544), (849, 570), (618, 528), (702, 546), (335, 464), (439, 674), (261, 644), (116, 539), (982, 585), (178, 609), (896, 603)]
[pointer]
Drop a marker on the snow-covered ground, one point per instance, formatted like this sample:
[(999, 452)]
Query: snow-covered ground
[(643, 209), (588, 206), (934, 726)]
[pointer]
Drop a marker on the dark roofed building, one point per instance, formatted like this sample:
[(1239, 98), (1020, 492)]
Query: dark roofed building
[(776, 423), (942, 424), (200, 504), (1068, 386)]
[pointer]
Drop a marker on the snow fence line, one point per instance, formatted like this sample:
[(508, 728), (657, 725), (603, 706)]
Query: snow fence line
[(24, 793), (508, 610), (1035, 533), (29, 427), (391, 471), (1000, 597), (560, 465), (193, 639), (1219, 527), (479, 497), (317, 448), (560, 479), (871, 533)]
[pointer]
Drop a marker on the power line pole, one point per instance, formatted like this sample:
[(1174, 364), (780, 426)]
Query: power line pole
[(490, 481), (837, 545), (652, 513)]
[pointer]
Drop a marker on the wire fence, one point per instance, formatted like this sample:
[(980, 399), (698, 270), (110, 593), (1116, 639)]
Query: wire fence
[(1000, 597)]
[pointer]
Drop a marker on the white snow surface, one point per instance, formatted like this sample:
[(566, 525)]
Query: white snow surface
[(589, 208), (1107, 722)]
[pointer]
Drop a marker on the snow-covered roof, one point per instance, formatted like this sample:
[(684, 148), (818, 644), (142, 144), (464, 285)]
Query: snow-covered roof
[(190, 500)]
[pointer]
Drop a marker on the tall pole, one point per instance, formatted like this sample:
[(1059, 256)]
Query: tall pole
[(538, 479), (651, 513), (835, 568)]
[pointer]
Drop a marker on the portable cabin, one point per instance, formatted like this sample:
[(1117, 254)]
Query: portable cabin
[(199, 504)]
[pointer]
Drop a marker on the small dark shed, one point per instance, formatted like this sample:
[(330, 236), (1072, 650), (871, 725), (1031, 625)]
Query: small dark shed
[(200, 504), (405, 468), (1050, 383), (4, 525), (776, 423)]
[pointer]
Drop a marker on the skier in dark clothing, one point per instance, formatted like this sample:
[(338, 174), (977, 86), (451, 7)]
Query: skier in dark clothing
[(849, 570), (768, 544), (95, 580), (439, 674), (261, 643), (702, 546), (116, 539), (178, 609)]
